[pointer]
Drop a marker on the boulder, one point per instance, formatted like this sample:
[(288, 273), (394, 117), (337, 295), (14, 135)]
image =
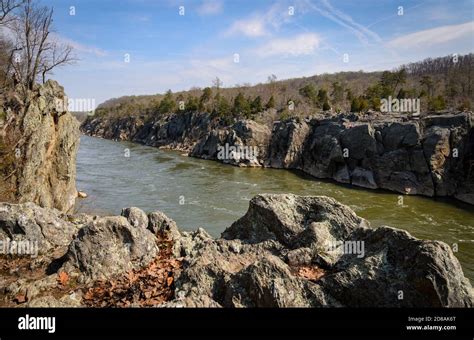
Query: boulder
[(284, 217), (29, 222), (136, 217), (109, 246), (294, 251)]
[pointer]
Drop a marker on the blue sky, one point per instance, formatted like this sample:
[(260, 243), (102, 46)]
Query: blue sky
[(172, 51)]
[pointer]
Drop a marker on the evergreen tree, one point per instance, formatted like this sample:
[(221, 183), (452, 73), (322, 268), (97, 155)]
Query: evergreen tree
[(355, 105), (437, 103), (224, 111), (270, 103), (322, 97), (167, 104), (192, 104), (309, 92), (256, 105), (337, 93), (205, 97), (241, 106)]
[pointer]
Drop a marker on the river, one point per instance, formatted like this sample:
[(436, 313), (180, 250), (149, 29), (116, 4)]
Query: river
[(199, 193)]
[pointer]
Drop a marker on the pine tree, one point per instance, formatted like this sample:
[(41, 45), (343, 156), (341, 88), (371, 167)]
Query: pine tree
[(256, 105), (205, 97), (167, 104), (270, 103), (241, 106), (309, 92)]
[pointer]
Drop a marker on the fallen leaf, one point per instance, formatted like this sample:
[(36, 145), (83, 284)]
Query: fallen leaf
[(20, 298), (169, 281), (63, 278)]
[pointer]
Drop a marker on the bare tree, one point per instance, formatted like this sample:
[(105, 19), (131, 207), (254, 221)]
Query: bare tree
[(35, 52), (272, 81), (217, 83), (6, 8)]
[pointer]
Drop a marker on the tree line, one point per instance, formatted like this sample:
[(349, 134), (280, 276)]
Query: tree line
[(441, 83)]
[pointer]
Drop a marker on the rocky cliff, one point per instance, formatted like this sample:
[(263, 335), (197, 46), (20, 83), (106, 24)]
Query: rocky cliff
[(40, 139), (432, 155), (287, 251)]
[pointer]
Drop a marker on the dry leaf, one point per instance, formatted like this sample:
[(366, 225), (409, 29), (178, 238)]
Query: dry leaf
[(20, 298), (63, 278)]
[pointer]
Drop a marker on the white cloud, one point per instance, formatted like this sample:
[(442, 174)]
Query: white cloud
[(434, 36), (210, 7), (253, 27), (302, 44), (78, 47), (261, 24)]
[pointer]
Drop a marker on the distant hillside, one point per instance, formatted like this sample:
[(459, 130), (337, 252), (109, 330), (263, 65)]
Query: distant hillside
[(81, 116), (441, 83)]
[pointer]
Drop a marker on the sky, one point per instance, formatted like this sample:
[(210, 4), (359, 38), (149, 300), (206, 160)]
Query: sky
[(134, 47)]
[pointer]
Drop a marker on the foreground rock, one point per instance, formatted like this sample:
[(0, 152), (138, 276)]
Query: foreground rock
[(430, 156), (279, 254), (39, 139), (287, 251)]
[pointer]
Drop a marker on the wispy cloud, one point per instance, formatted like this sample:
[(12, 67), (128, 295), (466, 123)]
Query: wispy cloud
[(434, 36), (252, 27), (362, 33), (302, 44), (261, 24), (210, 7), (78, 47)]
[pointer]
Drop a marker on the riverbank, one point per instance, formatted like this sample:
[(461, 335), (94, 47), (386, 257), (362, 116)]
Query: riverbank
[(209, 194), (430, 156), (286, 251)]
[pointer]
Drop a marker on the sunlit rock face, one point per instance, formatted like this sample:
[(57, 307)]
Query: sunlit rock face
[(45, 138)]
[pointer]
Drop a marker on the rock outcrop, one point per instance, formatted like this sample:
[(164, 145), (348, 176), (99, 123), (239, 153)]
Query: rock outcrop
[(430, 156), (315, 252), (43, 138), (287, 251)]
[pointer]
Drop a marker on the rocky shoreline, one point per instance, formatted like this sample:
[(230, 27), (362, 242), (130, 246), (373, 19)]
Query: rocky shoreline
[(432, 155), (286, 251)]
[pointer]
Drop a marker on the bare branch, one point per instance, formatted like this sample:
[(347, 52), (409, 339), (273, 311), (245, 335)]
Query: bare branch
[(36, 53), (6, 8)]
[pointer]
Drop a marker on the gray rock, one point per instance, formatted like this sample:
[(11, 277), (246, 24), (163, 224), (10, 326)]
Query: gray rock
[(284, 217), (47, 139), (286, 145), (109, 246), (256, 264), (135, 217), (398, 153), (363, 178), (29, 222)]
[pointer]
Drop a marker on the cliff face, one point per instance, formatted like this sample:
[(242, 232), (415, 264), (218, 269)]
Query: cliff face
[(42, 146), (431, 156)]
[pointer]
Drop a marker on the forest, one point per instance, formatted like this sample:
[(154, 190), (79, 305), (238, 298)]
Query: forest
[(444, 83)]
